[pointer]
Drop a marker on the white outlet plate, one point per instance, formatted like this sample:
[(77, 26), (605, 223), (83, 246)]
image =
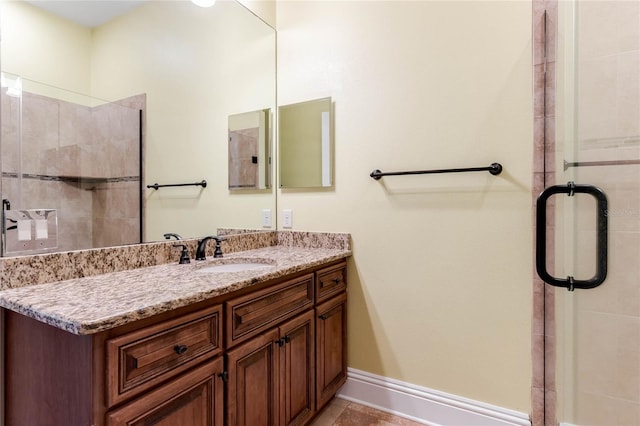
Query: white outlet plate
[(287, 218), (266, 218)]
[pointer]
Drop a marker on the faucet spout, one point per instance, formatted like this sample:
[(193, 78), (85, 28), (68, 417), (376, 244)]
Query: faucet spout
[(202, 247), (168, 236)]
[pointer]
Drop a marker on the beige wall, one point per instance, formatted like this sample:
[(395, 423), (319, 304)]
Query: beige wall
[(61, 61), (440, 280)]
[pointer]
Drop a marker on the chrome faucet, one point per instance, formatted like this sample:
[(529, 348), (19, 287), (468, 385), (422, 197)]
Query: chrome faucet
[(202, 247)]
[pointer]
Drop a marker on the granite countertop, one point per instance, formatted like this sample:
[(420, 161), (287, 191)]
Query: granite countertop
[(97, 303)]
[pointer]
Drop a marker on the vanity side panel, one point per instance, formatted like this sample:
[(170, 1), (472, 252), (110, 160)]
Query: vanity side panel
[(47, 374)]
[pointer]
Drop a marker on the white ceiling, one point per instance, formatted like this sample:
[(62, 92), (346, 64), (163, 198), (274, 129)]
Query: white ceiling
[(90, 13)]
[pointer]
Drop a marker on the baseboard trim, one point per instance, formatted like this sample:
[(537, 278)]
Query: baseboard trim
[(424, 405)]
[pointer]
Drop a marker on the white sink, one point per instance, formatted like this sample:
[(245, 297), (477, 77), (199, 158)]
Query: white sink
[(235, 265)]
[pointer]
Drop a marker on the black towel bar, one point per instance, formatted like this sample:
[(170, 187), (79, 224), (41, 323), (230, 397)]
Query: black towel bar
[(494, 169), (156, 186)]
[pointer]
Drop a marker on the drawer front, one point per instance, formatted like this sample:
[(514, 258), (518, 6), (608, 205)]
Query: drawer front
[(255, 312), (139, 360), (331, 281)]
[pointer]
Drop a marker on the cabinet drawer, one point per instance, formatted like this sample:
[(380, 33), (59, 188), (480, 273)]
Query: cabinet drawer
[(255, 312), (331, 281), (141, 359)]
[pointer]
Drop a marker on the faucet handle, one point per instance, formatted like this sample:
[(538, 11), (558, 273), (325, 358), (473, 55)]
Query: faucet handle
[(218, 250), (184, 254)]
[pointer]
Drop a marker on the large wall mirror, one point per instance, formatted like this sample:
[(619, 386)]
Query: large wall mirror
[(188, 68), (305, 144)]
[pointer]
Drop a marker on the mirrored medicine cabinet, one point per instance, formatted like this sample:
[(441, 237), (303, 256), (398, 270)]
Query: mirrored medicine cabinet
[(305, 143)]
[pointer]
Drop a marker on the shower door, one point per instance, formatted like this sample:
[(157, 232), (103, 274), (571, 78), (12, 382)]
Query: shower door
[(596, 364)]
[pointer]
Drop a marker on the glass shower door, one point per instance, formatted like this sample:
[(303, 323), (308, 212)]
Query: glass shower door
[(597, 354)]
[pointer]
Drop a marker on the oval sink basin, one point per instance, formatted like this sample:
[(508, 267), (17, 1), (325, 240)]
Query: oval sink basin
[(231, 266)]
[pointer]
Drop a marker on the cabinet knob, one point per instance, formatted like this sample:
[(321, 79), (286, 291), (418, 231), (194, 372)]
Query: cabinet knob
[(224, 376), (323, 317), (180, 349)]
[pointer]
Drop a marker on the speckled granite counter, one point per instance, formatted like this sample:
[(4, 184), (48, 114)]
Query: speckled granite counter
[(96, 303)]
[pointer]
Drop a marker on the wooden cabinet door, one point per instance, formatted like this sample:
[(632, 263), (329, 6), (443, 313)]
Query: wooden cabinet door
[(253, 382), (195, 399), (297, 370), (331, 347)]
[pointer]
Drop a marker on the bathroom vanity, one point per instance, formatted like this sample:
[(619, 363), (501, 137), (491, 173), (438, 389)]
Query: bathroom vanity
[(173, 345)]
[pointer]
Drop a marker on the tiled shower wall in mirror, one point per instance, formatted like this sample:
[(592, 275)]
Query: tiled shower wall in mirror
[(78, 156)]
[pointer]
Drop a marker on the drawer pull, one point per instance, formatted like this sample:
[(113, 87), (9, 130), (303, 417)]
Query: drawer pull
[(323, 317), (180, 349), (335, 281)]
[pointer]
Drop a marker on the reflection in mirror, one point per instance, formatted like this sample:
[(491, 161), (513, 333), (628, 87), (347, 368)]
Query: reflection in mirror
[(305, 144), (249, 150), (70, 169), (189, 68)]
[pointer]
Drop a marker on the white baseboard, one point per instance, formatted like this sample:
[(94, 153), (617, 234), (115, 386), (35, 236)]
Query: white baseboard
[(424, 405)]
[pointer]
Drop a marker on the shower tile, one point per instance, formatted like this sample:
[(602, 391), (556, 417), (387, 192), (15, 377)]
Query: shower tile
[(75, 124), (538, 145), (549, 374), (597, 18), (538, 32), (40, 126), (537, 348), (597, 82), (628, 93), (538, 306), (131, 199), (550, 404), (68, 160), (550, 90), (537, 406), (629, 26), (538, 91)]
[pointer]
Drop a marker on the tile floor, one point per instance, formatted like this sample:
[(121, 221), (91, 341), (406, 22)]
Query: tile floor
[(340, 412)]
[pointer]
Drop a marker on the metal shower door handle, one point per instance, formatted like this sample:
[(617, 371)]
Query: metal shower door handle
[(602, 236)]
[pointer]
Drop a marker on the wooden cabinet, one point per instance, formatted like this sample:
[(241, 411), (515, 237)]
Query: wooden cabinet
[(195, 399), (160, 373), (139, 360), (272, 376), (331, 281), (297, 370), (270, 356), (331, 348), (248, 315), (253, 382)]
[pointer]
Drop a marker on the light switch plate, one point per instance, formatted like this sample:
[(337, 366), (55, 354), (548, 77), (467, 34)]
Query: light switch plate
[(266, 218), (287, 218)]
